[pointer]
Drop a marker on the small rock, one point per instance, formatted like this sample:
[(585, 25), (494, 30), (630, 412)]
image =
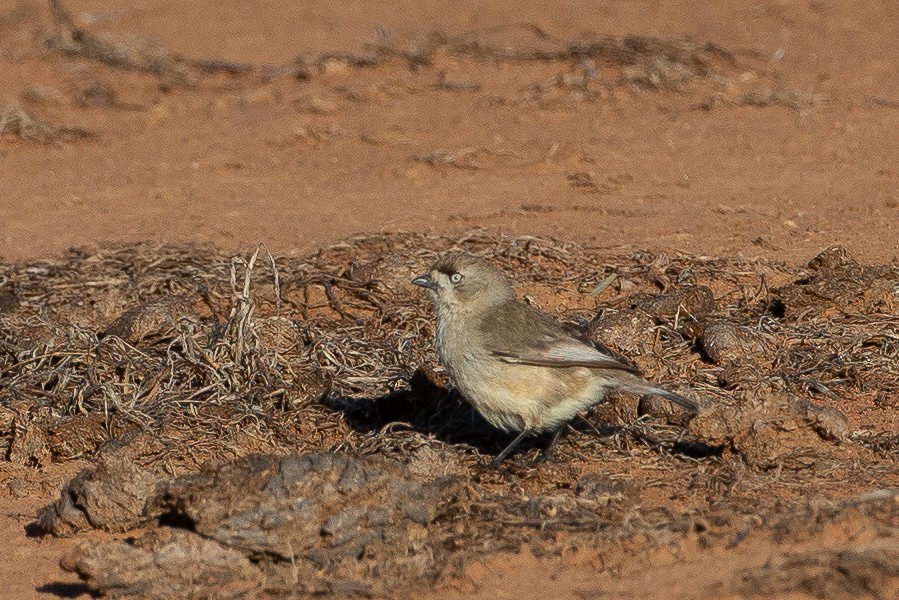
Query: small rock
[(723, 341), (152, 319), (830, 423), (832, 258)]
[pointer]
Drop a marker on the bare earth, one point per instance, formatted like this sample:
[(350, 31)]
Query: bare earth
[(775, 142)]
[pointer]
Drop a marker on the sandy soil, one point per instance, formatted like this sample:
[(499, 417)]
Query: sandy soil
[(299, 163), (233, 163)]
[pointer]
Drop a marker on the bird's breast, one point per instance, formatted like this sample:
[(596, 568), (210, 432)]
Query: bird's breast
[(457, 345)]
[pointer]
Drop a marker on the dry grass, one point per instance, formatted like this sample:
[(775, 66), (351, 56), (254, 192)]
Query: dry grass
[(213, 356), (591, 68), (15, 121), (463, 158), (172, 356)]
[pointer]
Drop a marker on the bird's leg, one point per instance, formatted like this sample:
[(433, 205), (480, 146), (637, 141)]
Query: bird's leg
[(548, 449), (557, 435), (498, 460)]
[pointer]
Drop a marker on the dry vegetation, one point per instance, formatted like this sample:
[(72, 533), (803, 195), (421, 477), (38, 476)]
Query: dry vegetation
[(156, 360), (15, 121), (584, 70)]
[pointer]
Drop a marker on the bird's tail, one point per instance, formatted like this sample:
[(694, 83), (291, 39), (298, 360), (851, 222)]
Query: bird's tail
[(690, 405), (645, 388)]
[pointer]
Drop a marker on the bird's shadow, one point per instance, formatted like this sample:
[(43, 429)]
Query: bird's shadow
[(429, 408), (62, 589)]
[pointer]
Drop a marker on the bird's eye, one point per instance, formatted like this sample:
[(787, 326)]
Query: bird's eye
[(456, 277)]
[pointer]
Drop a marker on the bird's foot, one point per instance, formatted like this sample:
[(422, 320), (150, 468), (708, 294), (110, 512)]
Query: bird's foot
[(497, 466), (542, 459)]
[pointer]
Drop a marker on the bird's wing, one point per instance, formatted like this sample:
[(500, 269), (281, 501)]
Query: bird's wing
[(518, 334), (562, 353)]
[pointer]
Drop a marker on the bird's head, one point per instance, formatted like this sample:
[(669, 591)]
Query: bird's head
[(462, 281)]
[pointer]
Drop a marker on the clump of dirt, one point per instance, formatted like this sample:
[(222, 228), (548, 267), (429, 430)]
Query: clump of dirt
[(725, 342), (314, 523), (165, 563), (771, 430), (837, 284), (266, 526), (112, 496)]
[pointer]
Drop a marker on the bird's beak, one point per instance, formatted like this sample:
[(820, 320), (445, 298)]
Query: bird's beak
[(425, 281)]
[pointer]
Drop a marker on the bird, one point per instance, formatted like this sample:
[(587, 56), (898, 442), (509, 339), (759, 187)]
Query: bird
[(518, 366)]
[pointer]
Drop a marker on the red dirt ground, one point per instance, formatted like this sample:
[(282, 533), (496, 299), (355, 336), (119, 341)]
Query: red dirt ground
[(300, 164)]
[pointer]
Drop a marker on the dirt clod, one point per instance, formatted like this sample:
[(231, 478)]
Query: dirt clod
[(112, 496), (837, 284), (772, 430), (329, 504), (316, 522), (684, 307), (165, 563), (151, 319), (724, 341)]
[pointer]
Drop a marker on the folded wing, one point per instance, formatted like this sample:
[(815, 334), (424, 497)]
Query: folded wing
[(519, 334), (562, 353)]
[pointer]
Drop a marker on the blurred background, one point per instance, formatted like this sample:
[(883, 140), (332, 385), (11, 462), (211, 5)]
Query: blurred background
[(729, 127)]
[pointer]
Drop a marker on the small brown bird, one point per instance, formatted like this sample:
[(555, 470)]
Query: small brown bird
[(519, 368)]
